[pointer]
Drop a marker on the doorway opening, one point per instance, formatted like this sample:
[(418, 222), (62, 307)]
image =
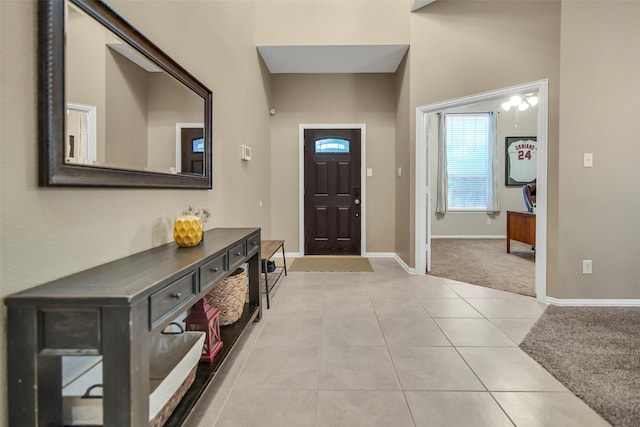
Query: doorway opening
[(425, 189), (332, 189)]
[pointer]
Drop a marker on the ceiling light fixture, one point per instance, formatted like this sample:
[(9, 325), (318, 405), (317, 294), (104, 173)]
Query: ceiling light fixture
[(522, 103)]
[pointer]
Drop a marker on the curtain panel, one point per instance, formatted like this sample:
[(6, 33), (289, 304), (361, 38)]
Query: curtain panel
[(441, 191)]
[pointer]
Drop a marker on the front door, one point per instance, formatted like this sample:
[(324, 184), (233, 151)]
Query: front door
[(332, 192), (192, 151)]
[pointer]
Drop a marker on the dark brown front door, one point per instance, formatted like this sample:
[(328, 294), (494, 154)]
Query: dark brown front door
[(192, 151), (332, 192)]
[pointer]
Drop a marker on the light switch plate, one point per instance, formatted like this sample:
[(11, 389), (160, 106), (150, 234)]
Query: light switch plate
[(369, 171), (246, 153), (588, 160)]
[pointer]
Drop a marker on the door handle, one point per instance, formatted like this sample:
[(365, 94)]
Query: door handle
[(356, 201)]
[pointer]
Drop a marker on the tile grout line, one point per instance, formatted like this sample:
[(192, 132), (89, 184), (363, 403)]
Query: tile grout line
[(474, 372)]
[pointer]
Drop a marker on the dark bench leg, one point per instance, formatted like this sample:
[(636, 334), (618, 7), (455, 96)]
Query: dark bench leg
[(266, 281), (284, 260)]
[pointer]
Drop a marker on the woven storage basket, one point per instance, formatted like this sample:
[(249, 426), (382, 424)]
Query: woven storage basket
[(229, 296), (172, 370), (161, 417)]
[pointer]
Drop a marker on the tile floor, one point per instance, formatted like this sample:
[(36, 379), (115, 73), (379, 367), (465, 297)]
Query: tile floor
[(389, 349)]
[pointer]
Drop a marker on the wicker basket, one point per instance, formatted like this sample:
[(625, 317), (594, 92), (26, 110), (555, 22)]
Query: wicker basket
[(172, 370), (229, 296), (161, 417)]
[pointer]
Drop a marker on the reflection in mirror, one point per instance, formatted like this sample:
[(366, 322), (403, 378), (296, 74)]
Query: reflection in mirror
[(115, 109), (136, 103), (81, 142)]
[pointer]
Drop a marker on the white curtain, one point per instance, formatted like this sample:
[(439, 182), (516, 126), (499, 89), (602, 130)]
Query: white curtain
[(441, 192), (494, 195)]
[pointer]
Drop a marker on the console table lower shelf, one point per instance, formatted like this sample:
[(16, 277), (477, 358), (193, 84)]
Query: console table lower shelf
[(207, 371)]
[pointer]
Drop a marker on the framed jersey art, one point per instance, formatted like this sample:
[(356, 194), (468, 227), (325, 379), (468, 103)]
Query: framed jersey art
[(521, 154)]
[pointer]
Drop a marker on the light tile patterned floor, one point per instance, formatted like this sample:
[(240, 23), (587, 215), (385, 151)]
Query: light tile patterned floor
[(389, 349)]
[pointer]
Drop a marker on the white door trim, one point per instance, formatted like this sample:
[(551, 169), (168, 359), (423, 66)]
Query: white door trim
[(89, 141), (363, 178), (423, 218)]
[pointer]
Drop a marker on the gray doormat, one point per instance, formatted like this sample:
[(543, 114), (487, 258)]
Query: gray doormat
[(595, 353)]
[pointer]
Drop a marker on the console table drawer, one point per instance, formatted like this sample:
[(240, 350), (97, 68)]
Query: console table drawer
[(237, 255), (172, 296), (253, 244), (212, 271)]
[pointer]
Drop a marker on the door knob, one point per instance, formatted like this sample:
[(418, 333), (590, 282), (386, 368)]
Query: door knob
[(356, 201)]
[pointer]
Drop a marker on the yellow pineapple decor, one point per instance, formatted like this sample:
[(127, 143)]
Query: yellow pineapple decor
[(187, 229)]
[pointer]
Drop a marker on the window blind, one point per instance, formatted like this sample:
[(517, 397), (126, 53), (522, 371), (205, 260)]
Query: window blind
[(468, 161)]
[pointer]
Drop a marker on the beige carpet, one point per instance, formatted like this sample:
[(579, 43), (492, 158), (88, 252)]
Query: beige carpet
[(485, 262), (331, 263), (594, 352)]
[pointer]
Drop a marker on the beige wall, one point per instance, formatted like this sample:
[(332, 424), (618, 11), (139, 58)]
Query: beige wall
[(403, 158), (126, 130), (460, 48), (51, 232), (169, 103), (475, 223), (217, 45), (599, 104), (341, 98), (86, 69), (328, 22)]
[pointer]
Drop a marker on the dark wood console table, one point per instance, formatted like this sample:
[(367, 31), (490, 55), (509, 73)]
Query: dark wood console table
[(113, 310), (521, 226)]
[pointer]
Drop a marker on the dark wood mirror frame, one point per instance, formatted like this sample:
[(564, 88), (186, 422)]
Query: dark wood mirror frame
[(52, 104)]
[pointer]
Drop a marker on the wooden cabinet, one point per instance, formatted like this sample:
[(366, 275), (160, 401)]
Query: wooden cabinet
[(521, 226), (113, 310)]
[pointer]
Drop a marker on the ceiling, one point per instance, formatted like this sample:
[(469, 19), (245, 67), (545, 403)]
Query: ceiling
[(417, 4), (333, 59)]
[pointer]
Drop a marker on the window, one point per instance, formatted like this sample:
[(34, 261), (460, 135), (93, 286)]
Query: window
[(469, 161), (332, 145), (197, 145)]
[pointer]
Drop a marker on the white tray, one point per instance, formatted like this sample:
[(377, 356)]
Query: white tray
[(172, 358)]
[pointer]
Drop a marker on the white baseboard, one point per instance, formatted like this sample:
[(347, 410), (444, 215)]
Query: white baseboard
[(457, 236), (393, 255), (404, 265), (594, 302), (379, 255)]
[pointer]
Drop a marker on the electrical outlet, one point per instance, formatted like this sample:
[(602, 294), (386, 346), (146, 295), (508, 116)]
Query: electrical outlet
[(587, 266), (489, 221), (588, 160)]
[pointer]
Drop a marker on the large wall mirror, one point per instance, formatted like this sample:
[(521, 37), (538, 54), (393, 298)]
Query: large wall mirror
[(115, 109)]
